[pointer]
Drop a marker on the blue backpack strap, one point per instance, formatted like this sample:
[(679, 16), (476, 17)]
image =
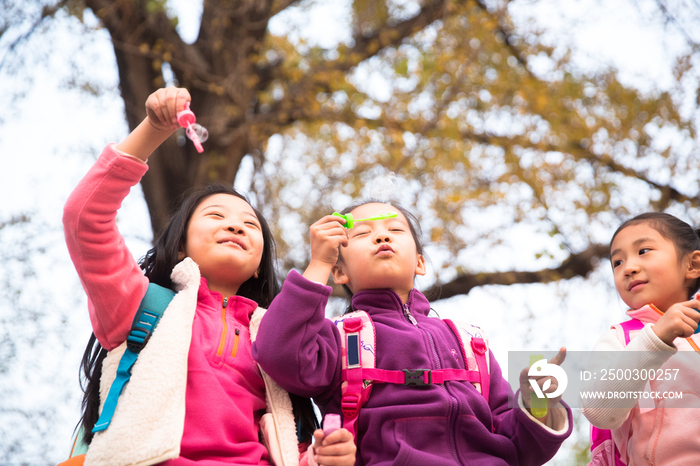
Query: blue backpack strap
[(150, 311)]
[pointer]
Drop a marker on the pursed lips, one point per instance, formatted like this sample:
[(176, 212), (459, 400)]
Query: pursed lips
[(384, 247), (232, 239)]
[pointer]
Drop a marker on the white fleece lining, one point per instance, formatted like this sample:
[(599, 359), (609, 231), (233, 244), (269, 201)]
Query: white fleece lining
[(280, 406), (149, 420)]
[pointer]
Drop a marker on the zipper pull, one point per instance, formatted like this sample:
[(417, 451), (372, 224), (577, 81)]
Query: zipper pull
[(410, 318), (234, 351), (225, 303)]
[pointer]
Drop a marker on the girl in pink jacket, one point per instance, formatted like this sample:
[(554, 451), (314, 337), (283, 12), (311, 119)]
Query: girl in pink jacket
[(202, 398), (652, 382)]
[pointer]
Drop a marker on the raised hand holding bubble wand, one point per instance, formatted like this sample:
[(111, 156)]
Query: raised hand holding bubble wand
[(162, 110)]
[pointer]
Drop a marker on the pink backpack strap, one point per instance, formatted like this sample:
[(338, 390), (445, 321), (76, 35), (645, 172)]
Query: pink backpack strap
[(359, 371), (417, 376), (625, 329), (603, 449), (604, 452), (358, 341), (474, 346)]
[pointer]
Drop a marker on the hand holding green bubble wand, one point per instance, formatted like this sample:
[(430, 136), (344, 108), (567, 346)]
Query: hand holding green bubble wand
[(542, 374)]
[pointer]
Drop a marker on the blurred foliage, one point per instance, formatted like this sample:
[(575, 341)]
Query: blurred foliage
[(484, 126)]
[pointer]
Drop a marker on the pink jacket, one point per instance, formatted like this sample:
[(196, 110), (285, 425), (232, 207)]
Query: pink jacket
[(651, 431), (225, 394)]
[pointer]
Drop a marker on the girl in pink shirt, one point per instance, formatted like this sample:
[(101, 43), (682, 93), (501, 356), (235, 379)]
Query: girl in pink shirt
[(217, 252), (652, 406)]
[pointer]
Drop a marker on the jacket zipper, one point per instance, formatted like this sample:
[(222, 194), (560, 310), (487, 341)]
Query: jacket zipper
[(235, 343), (452, 420), (452, 416), (224, 330), (408, 315)]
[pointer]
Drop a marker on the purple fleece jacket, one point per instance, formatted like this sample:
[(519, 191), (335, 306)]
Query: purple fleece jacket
[(448, 424)]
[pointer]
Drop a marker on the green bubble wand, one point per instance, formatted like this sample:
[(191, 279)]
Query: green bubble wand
[(538, 406), (350, 222)]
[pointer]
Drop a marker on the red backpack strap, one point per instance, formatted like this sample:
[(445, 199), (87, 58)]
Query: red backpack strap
[(474, 346), (358, 342)]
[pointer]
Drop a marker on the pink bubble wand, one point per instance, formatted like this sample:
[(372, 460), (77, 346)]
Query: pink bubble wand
[(331, 423), (196, 132)]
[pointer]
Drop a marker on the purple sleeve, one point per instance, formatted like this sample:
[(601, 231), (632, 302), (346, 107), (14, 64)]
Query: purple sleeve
[(296, 345), (112, 279), (535, 444)]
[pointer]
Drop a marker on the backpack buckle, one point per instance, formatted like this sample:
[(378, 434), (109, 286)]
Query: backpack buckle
[(417, 377), (350, 404), (352, 324), (478, 345), (137, 339)]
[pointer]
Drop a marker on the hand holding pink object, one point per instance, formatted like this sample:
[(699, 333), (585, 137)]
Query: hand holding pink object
[(340, 451), (331, 423), (197, 133)]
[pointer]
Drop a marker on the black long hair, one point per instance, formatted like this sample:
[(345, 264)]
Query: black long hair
[(157, 266)]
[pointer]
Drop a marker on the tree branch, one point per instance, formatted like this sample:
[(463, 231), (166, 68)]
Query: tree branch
[(48, 11), (668, 192), (577, 265), (672, 19), (387, 35)]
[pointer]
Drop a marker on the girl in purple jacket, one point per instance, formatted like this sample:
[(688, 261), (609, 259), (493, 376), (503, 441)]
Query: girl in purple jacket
[(436, 424)]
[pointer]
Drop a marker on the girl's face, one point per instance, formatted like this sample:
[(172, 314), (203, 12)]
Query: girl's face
[(379, 254), (647, 268), (225, 239)]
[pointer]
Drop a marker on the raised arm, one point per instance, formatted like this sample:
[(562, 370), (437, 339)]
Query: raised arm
[(112, 279), (296, 344)]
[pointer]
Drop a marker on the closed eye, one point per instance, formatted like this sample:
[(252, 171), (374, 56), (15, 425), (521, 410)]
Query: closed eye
[(215, 214), (253, 224)]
